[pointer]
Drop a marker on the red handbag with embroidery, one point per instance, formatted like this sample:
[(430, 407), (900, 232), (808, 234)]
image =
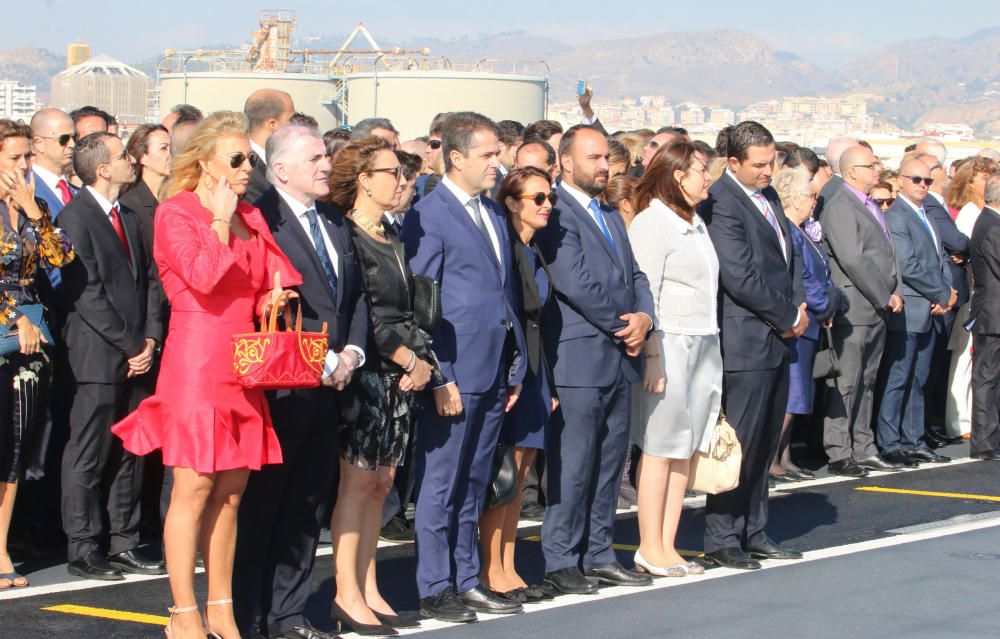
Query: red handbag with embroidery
[(274, 359)]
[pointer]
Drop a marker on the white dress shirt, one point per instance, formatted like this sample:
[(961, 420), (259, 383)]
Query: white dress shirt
[(50, 179), (299, 210), (927, 225), (584, 200), (106, 206), (464, 198), (259, 150)]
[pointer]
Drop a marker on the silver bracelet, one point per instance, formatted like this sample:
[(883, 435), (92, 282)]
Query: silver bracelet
[(412, 363)]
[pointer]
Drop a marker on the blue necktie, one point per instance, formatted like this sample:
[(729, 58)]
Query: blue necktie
[(923, 218), (321, 252), (595, 208)]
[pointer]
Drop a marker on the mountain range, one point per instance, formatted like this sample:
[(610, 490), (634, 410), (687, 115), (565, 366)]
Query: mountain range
[(911, 81)]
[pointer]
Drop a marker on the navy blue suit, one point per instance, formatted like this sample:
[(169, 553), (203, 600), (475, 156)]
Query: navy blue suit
[(477, 345), (587, 438), (906, 364), (759, 300)]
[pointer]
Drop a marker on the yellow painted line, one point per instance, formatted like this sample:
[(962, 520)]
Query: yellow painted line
[(928, 493), (106, 613), (629, 547)]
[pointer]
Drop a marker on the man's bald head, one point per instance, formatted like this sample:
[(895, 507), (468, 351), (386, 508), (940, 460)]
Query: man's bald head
[(859, 168), (835, 151), (938, 173), (267, 110), (48, 128), (45, 118), (910, 170)]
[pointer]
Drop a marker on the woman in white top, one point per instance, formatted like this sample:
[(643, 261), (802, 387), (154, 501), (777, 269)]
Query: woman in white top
[(966, 194), (679, 399)]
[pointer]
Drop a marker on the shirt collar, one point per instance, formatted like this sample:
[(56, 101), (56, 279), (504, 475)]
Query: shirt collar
[(259, 150), (751, 193), (298, 208), (106, 206), (50, 178), (861, 195), (458, 192), (582, 198), (913, 206), (938, 198), (679, 223)]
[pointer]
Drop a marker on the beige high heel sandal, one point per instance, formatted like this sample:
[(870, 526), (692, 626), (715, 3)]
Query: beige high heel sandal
[(173, 610), (217, 602)]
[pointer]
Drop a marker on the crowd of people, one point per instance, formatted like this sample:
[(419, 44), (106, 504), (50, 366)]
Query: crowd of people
[(604, 300)]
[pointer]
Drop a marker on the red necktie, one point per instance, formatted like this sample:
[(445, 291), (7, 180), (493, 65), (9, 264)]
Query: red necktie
[(116, 222), (64, 191)]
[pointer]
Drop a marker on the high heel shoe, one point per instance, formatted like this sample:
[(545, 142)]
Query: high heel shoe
[(217, 602), (365, 629), (657, 571), (173, 610)]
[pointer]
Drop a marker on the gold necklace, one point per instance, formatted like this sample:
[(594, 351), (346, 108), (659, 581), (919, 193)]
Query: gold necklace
[(363, 222)]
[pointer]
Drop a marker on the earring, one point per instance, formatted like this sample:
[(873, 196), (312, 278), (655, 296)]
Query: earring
[(368, 192)]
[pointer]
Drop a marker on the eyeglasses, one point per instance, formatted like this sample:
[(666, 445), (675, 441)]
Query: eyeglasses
[(63, 139), (865, 166), (236, 160), (917, 179), (936, 167), (434, 144), (539, 198), (883, 201), (395, 171), (123, 156)]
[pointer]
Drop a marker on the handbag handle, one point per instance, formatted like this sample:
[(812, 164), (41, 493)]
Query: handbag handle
[(270, 323)]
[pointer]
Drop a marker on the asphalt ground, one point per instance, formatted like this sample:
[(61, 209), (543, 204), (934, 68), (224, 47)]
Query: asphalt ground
[(873, 568)]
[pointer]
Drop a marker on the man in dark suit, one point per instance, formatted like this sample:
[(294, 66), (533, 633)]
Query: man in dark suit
[(834, 151), (863, 265), (281, 508), (956, 245), (760, 307), (113, 329), (984, 251), (927, 293), (605, 313), (267, 110), (459, 238)]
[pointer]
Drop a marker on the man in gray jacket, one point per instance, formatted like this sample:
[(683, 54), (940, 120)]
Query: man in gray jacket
[(863, 265)]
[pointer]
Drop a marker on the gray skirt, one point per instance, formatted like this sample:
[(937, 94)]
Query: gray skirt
[(677, 423)]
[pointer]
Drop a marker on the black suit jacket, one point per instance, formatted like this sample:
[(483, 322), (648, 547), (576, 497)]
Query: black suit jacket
[(984, 250), (759, 291), (258, 182), (825, 193), (954, 242), (347, 315), (141, 201), (113, 303)]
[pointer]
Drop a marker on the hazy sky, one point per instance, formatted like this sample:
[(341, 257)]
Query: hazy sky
[(826, 33)]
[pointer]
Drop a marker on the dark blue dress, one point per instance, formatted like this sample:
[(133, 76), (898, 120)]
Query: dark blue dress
[(524, 426)]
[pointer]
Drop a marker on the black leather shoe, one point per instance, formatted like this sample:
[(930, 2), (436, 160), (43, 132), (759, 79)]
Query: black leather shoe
[(397, 621), (480, 599), (783, 478), (532, 511), (732, 558), (132, 562), (306, 632), (900, 457), (446, 606), (344, 620), (922, 455), (877, 463), (800, 473), (570, 581), (846, 468), (988, 456), (771, 550), (93, 565), (398, 529), (533, 594), (617, 575)]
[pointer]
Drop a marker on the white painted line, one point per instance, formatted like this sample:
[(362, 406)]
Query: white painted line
[(428, 625)]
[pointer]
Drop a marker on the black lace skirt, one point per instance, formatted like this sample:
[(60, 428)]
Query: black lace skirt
[(384, 424)]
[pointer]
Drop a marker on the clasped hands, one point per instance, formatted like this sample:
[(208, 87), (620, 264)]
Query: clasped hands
[(341, 376), (937, 309), (141, 363), (635, 332), (800, 328)]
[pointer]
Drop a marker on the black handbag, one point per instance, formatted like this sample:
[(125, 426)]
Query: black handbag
[(426, 303), (503, 477), (827, 364)]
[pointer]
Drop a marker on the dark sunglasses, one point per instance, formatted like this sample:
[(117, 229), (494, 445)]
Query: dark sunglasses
[(63, 139), (916, 179), (539, 198), (237, 159), (884, 201), (395, 171), (434, 144)]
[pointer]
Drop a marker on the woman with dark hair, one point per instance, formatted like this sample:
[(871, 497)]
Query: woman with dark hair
[(149, 144), (527, 198), (28, 242), (367, 180), (804, 157), (681, 392)]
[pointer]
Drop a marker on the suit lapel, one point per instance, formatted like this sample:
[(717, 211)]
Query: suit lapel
[(43, 191), (458, 210), (756, 214), (289, 224), (587, 221), (130, 224), (104, 230)]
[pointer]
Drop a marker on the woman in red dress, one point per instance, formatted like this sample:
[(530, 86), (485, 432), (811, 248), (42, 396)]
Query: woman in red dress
[(217, 261)]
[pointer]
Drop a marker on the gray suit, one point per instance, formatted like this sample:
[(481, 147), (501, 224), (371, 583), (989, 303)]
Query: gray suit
[(863, 265)]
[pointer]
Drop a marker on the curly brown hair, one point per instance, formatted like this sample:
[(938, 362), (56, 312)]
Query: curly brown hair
[(350, 162)]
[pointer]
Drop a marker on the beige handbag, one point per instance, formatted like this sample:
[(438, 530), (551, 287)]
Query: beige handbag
[(718, 470)]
